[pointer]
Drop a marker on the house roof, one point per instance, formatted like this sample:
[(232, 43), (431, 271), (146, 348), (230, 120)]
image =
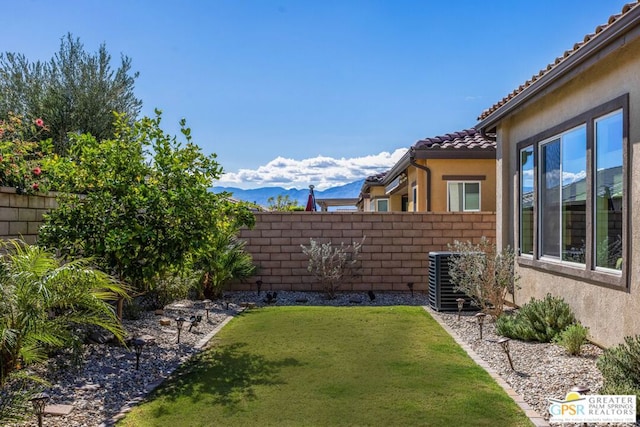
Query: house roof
[(468, 139), (591, 40), (464, 144)]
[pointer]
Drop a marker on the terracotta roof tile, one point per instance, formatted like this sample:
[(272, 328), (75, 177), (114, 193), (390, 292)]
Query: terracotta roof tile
[(587, 38), (469, 139), (376, 179)]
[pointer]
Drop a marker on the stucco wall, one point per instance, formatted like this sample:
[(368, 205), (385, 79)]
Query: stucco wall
[(443, 167), (395, 251), (21, 215), (610, 313)]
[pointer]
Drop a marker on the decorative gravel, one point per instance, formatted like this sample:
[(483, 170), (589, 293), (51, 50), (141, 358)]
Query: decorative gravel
[(107, 383)]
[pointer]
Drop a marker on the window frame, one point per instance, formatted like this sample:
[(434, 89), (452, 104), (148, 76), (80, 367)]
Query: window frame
[(617, 279), (382, 199), (464, 193)]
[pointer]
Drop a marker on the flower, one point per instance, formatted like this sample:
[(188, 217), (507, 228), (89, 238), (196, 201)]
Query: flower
[(37, 171), (39, 123), (35, 186)]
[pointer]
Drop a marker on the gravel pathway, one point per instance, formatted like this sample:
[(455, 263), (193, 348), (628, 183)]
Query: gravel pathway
[(108, 382)]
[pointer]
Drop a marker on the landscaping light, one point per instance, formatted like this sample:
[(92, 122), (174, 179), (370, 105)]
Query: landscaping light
[(138, 343), (582, 390), (460, 302), (206, 306), (504, 342), (195, 321), (258, 286), (410, 286), (480, 318), (179, 322), (39, 401)]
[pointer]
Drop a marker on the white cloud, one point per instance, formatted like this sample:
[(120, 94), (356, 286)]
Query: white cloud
[(323, 172)]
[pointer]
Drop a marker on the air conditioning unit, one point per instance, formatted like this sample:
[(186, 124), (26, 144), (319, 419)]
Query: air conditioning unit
[(442, 297)]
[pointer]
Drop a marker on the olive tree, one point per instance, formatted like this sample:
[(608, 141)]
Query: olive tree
[(75, 91)]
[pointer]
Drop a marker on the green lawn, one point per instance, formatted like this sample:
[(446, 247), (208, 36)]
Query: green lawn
[(330, 366)]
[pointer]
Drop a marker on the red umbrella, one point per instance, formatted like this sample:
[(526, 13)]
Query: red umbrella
[(311, 201)]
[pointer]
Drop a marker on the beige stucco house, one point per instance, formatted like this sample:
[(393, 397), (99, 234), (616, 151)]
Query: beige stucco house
[(455, 172), (568, 181)]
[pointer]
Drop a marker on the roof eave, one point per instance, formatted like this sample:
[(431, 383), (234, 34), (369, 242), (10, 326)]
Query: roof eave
[(622, 26), (461, 153)]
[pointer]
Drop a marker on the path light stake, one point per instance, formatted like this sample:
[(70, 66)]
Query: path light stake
[(206, 306), (179, 322), (410, 286), (460, 302), (504, 342), (138, 343), (259, 286), (39, 401), (480, 318), (582, 389)]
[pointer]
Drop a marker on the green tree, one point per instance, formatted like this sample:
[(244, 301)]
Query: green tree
[(43, 300), (138, 203), (76, 91), (283, 203)]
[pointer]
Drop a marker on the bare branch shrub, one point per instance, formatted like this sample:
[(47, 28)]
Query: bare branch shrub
[(483, 273), (331, 264)]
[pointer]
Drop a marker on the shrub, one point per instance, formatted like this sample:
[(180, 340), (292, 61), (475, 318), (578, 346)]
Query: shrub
[(173, 287), (331, 264), (620, 368), (572, 338), (483, 273), (537, 320)]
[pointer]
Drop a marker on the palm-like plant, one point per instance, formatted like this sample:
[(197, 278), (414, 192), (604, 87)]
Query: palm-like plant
[(43, 300), (223, 260)]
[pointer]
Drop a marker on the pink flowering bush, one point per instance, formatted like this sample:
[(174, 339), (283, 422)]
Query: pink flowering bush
[(22, 154)]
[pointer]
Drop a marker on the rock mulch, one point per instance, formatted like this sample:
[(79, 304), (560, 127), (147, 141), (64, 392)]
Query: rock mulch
[(108, 383)]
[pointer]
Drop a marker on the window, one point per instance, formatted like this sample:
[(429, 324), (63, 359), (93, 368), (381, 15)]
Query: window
[(572, 186), (382, 205), (563, 166), (608, 189), (526, 201), (415, 199), (463, 196)]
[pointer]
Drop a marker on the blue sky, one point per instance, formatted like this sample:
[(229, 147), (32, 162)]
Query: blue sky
[(292, 93)]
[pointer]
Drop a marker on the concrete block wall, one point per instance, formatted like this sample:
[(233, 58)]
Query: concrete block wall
[(395, 251), (21, 215)]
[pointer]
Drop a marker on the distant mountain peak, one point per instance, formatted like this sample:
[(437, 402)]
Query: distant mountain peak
[(261, 195)]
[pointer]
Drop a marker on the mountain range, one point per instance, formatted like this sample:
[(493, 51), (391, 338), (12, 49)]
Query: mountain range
[(261, 195)]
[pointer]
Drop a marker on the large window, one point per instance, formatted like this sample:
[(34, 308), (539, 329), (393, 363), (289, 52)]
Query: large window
[(463, 196), (563, 174), (571, 180)]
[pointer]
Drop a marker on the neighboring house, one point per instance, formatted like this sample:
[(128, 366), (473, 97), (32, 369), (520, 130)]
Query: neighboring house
[(567, 187), (451, 173)]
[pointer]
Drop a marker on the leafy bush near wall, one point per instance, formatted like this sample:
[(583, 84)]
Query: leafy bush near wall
[(537, 320), (620, 368)]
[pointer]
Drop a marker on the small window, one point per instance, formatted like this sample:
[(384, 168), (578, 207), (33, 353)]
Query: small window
[(463, 196), (526, 200), (415, 199), (382, 205)]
